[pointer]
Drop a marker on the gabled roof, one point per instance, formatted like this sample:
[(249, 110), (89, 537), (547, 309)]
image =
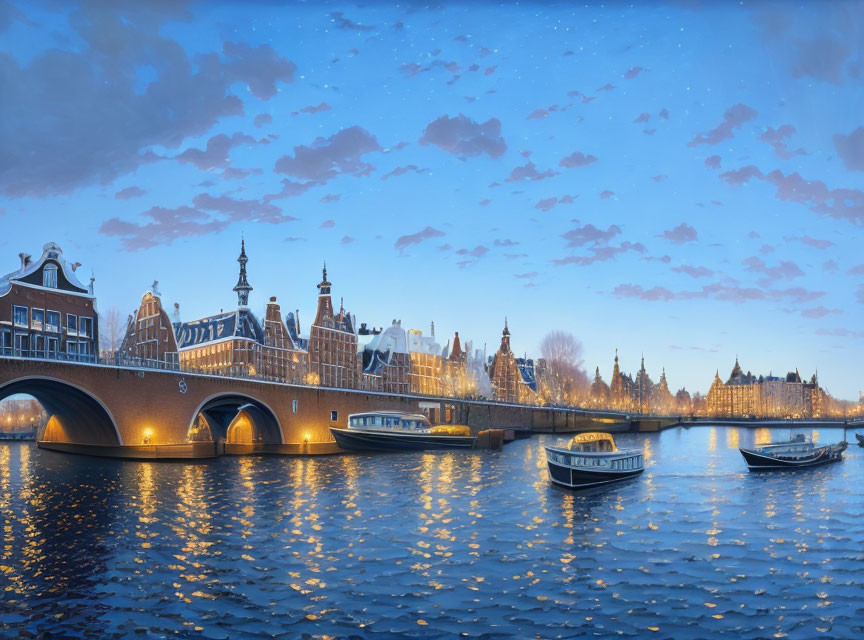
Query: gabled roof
[(240, 323), (52, 253)]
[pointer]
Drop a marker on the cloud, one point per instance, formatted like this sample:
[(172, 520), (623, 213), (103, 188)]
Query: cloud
[(632, 72), (233, 173), (477, 252), (345, 23), (331, 197), (526, 276), (816, 243), (216, 153), (601, 254), (398, 171), (840, 333), (403, 242), (528, 172), (589, 234), (538, 114), (238, 210), (785, 270), (659, 177), (694, 272), (546, 204), (607, 87), (606, 194), (166, 226), (129, 192), (777, 139), (327, 224), (830, 265), (312, 109), (818, 312), (720, 292), (78, 117), (663, 113), (713, 162), (577, 159), (464, 137), (262, 118), (851, 149), (506, 242), (643, 117), (291, 189), (680, 234), (347, 240), (857, 270), (843, 204), (733, 118), (326, 158)]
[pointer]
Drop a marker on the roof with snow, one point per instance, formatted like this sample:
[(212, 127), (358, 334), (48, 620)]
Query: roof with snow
[(240, 323)]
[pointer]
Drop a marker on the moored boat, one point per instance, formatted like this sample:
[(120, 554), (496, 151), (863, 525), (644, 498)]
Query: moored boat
[(797, 453), (400, 431), (860, 439), (591, 460)]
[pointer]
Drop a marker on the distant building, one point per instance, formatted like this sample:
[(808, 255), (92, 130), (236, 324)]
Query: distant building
[(385, 360), (332, 347), (508, 383), (744, 394), (150, 332), (45, 311)]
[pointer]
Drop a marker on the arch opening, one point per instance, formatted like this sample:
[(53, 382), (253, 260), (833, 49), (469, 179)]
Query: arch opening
[(235, 420), (73, 415)]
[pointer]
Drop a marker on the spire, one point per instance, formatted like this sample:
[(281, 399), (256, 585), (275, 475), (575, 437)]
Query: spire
[(243, 287), (432, 329), (506, 328), (324, 285)]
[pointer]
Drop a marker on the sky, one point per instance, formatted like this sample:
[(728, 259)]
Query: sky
[(683, 180)]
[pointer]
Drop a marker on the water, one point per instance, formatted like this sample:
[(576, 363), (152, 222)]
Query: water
[(432, 546)]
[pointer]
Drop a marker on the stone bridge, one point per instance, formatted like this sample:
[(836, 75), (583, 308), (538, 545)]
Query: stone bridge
[(135, 412)]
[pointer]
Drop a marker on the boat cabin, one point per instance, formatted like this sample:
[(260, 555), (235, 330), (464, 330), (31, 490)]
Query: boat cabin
[(392, 420), (592, 443)]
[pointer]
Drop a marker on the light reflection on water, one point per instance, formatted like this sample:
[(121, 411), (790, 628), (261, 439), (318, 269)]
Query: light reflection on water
[(431, 545)]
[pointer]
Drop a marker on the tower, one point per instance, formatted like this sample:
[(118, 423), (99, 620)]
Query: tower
[(324, 315), (243, 287)]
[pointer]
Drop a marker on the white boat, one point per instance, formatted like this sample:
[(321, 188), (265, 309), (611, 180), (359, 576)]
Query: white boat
[(591, 460)]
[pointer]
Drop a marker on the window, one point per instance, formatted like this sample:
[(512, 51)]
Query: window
[(19, 315), (84, 348), (71, 348), (51, 348), (38, 319), (85, 327), (5, 341), (52, 321), (39, 346), (22, 344), (49, 276), (293, 406), (71, 324), (334, 416)]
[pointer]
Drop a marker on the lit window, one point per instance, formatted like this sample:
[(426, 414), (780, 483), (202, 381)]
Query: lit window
[(49, 276), (38, 319), (19, 315)]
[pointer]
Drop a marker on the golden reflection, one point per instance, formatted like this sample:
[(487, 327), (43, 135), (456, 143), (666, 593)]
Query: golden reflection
[(712, 439), (761, 437), (241, 430), (647, 451), (732, 438)]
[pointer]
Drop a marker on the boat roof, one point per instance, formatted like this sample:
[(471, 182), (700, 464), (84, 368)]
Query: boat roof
[(593, 436), (403, 415)]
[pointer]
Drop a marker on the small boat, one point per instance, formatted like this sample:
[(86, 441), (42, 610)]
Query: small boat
[(400, 431), (798, 453), (591, 460), (860, 439)]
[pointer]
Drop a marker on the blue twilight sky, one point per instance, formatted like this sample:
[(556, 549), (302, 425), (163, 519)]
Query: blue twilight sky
[(683, 180)]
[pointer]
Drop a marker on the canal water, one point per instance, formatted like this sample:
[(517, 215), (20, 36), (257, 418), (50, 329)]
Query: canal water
[(433, 545)]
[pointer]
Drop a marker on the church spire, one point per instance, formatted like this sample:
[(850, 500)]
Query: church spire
[(243, 287)]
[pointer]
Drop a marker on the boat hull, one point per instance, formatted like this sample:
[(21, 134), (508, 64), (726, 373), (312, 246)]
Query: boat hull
[(760, 462), (577, 478), (860, 439), (361, 440)]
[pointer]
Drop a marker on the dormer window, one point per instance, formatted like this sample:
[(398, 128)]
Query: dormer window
[(49, 276)]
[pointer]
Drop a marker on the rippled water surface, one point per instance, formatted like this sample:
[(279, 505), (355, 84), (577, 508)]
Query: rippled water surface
[(432, 545)]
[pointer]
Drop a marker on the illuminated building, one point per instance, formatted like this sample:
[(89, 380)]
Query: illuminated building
[(45, 312), (744, 394), (427, 364), (333, 358), (149, 332), (508, 385)]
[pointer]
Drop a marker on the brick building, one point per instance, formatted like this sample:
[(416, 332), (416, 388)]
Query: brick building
[(333, 360), (508, 385), (150, 332), (46, 312)]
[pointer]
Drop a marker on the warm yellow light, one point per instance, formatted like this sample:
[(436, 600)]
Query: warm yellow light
[(147, 436), (306, 437)]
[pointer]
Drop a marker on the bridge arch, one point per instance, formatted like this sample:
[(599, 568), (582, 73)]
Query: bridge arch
[(236, 419), (74, 415)]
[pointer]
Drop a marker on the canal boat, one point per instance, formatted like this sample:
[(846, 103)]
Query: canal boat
[(860, 439), (592, 460), (400, 431), (797, 453)]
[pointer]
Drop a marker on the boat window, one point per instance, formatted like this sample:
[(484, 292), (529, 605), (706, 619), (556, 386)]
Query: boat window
[(334, 416)]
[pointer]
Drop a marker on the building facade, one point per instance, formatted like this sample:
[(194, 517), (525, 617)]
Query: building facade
[(46, 312), (150, 334), (508, 385), (333, 360)]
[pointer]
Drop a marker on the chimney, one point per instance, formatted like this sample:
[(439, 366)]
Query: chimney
[(25, 259)]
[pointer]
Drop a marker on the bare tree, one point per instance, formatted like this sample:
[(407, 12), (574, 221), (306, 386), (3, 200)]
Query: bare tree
[(564, 379), (112, 329)]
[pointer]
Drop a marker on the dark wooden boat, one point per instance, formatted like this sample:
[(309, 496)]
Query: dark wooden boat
[(399, 431), (860, 439), (592, 460), (798, 453)]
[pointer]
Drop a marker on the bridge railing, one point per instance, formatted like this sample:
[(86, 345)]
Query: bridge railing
[(10, 352)]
